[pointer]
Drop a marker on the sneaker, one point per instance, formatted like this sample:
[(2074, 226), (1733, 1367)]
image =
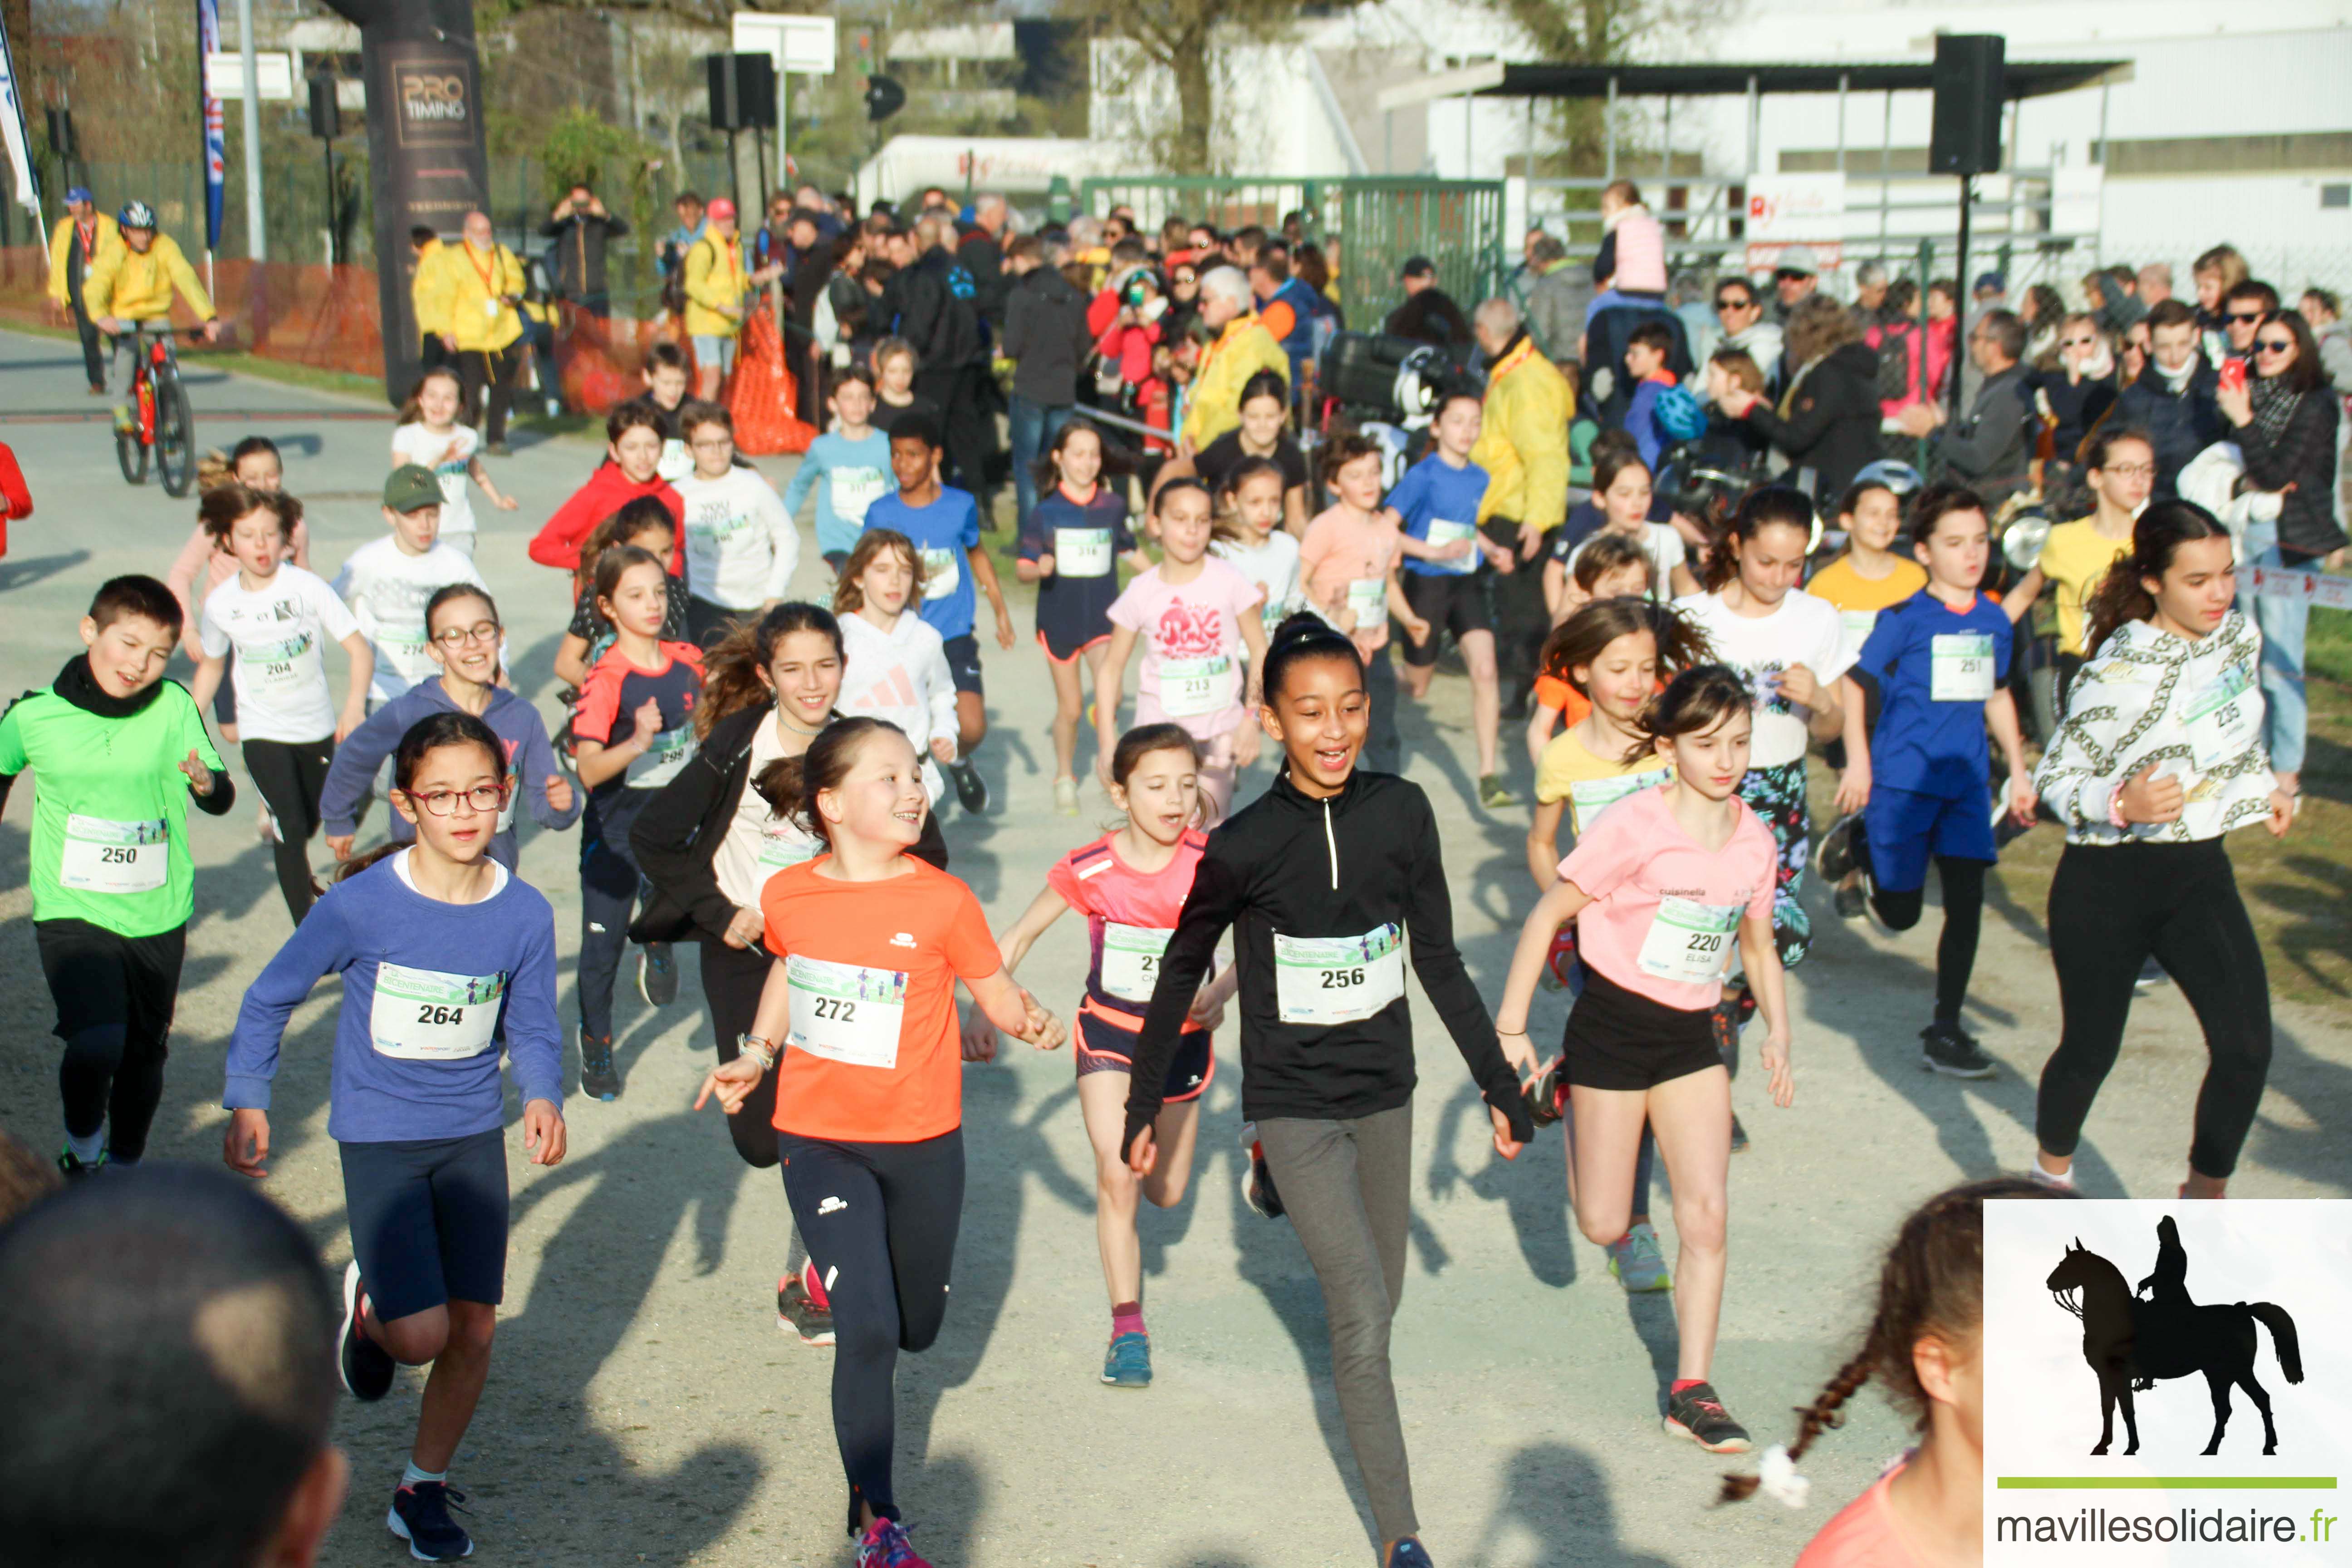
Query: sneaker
[(1492, 795), (598, 1077), (1635, 1260), (884, 1545), (1066, 797), (73, 1167), (2057, 1181), (1128, 1363), (499, 449), (658, 974), (1850, 901), (1950, 1050), (808, 1316), (1545, 1096), (2151, 975), (970, 788), (1697, 1414), (1837, 852), (367, 1366), (1560, 959), (1409, 1553), (420, 1515), (1258, 1191), (1738, 1135), (125, 422)]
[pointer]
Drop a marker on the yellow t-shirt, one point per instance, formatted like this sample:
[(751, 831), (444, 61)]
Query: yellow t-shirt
[(1858, 599), (1589, 783), (2074, 557)]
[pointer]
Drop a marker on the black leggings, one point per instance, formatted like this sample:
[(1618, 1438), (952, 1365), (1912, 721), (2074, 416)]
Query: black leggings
[(880, 1222), (1956, 950), (115, 996), (290, 777), (2110, 909), (733, 978)]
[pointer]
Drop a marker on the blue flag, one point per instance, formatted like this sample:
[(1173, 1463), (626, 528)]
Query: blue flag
[(215, 127)]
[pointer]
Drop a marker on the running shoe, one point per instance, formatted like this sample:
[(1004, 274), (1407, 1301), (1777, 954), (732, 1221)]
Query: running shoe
[(599, 1080), (1492, 795), (2062, 1181), (1546, 1095), (73, 1167), (1697, 1414), (420, 1515), (658, 974), (1837, 854), (2151, 975), (1128, 1363), (1949, 1049), (970, 788), (1850, 901), (1066, 797), (1738, 1135), (367, 1367), (1560, 959), (803, 1313), (1636, 1260), (884, 1545), (1409, 1553), (1258, 1191)]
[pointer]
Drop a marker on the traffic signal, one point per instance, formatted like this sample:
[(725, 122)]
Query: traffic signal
[(884, 98)]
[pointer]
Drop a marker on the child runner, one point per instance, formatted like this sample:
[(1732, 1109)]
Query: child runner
[(1070, 546), (1130, 884), (1348, 565), (1325, 879), (2120, 468), (631, 470), (666, 378), (428, 434), (445, 956), (849, 467), (253, 461), (1615, 567), (2162, 757), (894, 665), (119, 753), (1436, 506), (464, 632), (274, 614), (1250, 536), (387, 581), (1262, 434), (859, 1003), (1622, 485), (1925, 1347), (944, 524), (633, 727), (1941, 660), (894, 385), (647, 525), (1658, 886), (1195, 618), (742, 548)]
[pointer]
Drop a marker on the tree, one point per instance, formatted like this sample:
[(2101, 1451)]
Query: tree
[(1182, 37), (1605, 32)]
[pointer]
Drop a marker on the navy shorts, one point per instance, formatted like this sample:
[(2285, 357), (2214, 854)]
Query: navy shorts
[(1104, 1047), (1905, 828), (964, 662), (428, 1220)]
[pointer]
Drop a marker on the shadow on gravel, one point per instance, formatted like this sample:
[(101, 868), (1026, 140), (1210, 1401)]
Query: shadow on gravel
[(23, 572), (1555, 1502), (2322, 1090)]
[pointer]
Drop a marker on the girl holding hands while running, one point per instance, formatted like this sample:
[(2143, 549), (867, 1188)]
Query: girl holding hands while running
[(1660, 885)]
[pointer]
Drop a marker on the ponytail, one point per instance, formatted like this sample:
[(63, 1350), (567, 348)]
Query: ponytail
[(791, 784)]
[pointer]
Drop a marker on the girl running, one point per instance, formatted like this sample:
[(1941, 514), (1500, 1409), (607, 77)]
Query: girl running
[(1614, 568), (1349, 564), (895, 666), (1250, 536), (1622, 486), (274, 614), (634, 727), (1070, 546), (643, 524), (859, 1004), (1194, 617), (254, 462), (1325, 879), (445, 956), (2162, 758), (1130, 884), (429, 435), (1658, 886), (895, 395), (849, 467), (2120, 467), (742, 548)]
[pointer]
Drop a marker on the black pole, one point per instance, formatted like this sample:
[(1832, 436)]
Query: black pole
[(759, 152), (1961, 303), (735, 177)]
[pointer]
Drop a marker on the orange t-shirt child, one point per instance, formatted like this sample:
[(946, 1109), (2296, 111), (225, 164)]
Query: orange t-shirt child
[(1343, 563)]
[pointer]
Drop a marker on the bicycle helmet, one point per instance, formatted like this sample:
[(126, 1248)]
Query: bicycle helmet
[(136, 215)]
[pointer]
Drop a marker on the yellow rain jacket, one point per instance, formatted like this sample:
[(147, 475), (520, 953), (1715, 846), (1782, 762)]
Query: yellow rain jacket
[(715, 286), (474, 292), (138, 287), (105, 236), (426, 292), (1523, 445), (1214, 405)]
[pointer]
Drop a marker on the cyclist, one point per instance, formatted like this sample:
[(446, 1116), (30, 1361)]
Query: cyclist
[(130, 288)]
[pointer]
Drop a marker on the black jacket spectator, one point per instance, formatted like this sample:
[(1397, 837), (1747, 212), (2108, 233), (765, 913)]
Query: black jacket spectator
[(1430, 317), (2181, 423), (577, 257), (1828, 419), (992, 286), (1990, 446), (1046, 337), (943, 328), (1609, 397), (2077, 405), (2290, 446)]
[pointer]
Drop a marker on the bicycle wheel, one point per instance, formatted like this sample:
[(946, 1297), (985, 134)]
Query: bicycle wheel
[(176, 436), (131, 453)]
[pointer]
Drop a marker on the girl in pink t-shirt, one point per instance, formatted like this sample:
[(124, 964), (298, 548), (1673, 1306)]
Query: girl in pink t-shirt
[(1192, 613), (1347, 572), (1660, 886)]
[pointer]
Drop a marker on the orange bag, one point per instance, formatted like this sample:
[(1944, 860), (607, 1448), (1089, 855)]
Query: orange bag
[(762, 393)]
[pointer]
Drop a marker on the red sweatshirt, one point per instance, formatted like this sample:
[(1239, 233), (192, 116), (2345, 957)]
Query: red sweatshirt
[(16, 500), (607, 491)]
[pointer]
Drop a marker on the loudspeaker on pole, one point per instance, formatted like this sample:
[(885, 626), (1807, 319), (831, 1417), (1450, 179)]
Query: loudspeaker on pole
[(1970, 91), (742, 91)]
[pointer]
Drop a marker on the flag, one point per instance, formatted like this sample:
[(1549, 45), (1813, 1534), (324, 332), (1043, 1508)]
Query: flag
[(215, 126), (12, 129)]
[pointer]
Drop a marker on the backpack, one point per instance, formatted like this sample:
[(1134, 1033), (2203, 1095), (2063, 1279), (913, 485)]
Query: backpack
[(960, 281)]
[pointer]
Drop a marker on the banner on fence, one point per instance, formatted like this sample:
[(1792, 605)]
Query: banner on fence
[(1796, 209), (2312, 587), (12, 129), (208, 115)]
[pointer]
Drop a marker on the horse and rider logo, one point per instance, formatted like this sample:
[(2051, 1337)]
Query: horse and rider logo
[(2134, 1337)]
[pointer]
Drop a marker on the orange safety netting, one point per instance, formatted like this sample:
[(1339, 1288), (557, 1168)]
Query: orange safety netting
[(762, 393)]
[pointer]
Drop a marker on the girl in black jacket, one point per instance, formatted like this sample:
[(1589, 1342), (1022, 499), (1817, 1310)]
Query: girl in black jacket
[(1828, 419), (1325, 879)]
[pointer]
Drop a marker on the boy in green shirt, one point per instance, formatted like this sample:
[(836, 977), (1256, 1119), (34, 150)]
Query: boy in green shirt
[(120, 751)]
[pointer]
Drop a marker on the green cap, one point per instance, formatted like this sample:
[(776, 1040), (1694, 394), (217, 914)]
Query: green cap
[(412, 488)]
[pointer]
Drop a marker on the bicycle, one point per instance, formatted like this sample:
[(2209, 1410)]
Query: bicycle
[(162, 421)]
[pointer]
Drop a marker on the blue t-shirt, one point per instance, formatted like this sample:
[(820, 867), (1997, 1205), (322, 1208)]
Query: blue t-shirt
[(942, 530), (1085, 542), (1936, 668), (430, 990), (1434, 492), (849, 476)]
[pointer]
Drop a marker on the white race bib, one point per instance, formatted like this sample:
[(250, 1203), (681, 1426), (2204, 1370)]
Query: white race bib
[(1130, 959), (427, 1015), (844, 1013), (2223, 718), (942, 573), (663, 756), (405, 652), (1858, 625), (1081, 553), (1588, 798), (781, 844), (281, 668), (1688, 940), (1961, 667), (1326, 980), (1192, 687), (1368, 600), (1443, 534), (855, 490), (103, 856)]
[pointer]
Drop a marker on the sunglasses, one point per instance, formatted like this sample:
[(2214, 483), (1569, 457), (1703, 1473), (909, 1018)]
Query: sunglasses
[(2274, 345), (2076, 342), (1735, 305), (2247, 316)]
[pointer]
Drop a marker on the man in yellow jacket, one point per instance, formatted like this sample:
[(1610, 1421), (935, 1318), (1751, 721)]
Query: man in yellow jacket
[(131, 287), (81, 236), (424, 295), (1242, 348), (479, 285), (1523, 447), (716, 287)]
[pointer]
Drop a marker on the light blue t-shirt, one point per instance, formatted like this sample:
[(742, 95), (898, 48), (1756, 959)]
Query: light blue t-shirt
[(848, 477), (942, 532)]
